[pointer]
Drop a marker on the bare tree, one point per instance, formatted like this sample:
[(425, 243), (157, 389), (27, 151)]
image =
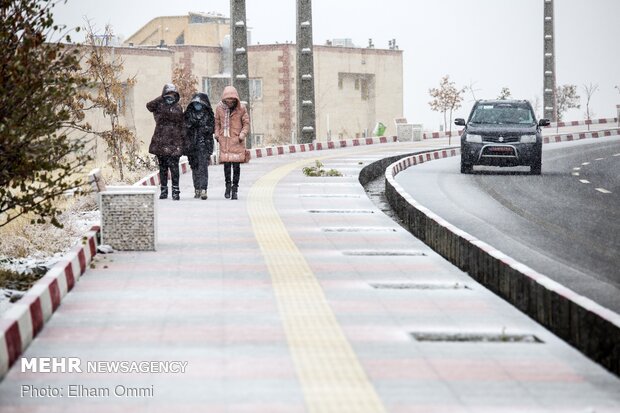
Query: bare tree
[(589, 90), (567, 98), (504, 94), (186, 83), (446, 99), (109, 93)]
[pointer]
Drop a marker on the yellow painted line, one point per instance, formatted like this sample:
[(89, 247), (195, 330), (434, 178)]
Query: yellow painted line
[(330, 374)]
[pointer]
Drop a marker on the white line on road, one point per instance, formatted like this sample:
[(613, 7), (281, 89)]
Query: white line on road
[(577, 168), (586, 163), (575, 173), (616, 154), (603, 190), (599, 159), (584, 181)]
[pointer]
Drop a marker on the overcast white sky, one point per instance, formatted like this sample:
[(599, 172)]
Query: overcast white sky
[(492, 43)]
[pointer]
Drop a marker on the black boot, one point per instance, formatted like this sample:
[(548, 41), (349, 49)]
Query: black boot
[(234, 192), (196, 193), (227, 193), (176, 193), (164, 192)]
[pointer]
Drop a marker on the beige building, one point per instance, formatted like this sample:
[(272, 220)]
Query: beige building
[(197, 29), (355, 87)]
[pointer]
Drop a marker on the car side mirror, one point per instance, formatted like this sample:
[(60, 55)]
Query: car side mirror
[(459, 122), (543, 122)]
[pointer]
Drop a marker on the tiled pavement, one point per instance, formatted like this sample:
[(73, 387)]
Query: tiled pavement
[(270, 301)]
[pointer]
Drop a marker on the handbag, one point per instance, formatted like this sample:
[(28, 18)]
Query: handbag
[(248, 156)]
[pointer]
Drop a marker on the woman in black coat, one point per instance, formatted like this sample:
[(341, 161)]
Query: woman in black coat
[(168, 139), (199, 127)]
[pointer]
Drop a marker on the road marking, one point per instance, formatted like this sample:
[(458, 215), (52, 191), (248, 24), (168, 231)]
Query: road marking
[(330, 374), (578, 168), (599, 159), (616, 154), (586, 163), (575, 173), (603, 190), (584, 181)]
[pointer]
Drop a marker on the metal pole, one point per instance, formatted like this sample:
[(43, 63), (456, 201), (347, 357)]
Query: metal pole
[(549, 82), (239, 47), (306, 121)]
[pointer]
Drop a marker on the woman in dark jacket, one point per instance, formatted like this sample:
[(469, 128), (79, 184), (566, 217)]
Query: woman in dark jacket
[(199, 127), (168, 139)]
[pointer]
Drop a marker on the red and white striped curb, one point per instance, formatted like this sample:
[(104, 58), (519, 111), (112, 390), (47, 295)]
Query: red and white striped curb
[(319, 146), (567, 137), (583, 122), (25, 319), (437, 135), (401, 165)]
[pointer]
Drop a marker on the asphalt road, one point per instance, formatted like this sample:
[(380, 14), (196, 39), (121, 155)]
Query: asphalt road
[(564, 223)]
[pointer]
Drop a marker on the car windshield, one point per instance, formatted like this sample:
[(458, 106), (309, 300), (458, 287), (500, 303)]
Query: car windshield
[(503, 113)]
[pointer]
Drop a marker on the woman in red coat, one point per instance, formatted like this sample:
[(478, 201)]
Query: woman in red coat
[(232, 125)]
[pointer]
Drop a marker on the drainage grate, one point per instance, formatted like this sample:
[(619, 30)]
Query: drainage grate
[(477, 337), (418, 286), (341, 211), (385, 253), (357, 229)]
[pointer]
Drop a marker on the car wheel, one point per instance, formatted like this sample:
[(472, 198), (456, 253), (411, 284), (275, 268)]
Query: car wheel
[(466, 168), (536, 167)]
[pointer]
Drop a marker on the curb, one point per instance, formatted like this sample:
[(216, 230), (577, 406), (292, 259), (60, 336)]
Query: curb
[(586, 325), (582, 122), (320, 146), (25, 319), (567, 137)]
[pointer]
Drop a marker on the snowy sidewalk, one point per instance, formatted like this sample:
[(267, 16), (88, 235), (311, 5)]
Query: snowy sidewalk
[(301, 296)]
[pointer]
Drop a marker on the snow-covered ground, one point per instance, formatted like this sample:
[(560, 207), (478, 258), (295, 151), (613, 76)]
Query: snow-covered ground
[(76, 222)]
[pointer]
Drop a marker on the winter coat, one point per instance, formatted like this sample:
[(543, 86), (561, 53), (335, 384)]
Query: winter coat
[(169, 136), (231, 127), (199, 125)]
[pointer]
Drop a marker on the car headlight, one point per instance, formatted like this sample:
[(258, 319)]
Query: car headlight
[(528, 138), (473, 138)]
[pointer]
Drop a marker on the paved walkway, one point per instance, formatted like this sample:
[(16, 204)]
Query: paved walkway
[(271, 301)]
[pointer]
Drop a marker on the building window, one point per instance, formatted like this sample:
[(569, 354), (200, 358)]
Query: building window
[(205, 85), (256, 89), (258, 139), (357, 84), (339, 82)]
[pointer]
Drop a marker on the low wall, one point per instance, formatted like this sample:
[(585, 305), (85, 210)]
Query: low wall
[(25, 319)]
